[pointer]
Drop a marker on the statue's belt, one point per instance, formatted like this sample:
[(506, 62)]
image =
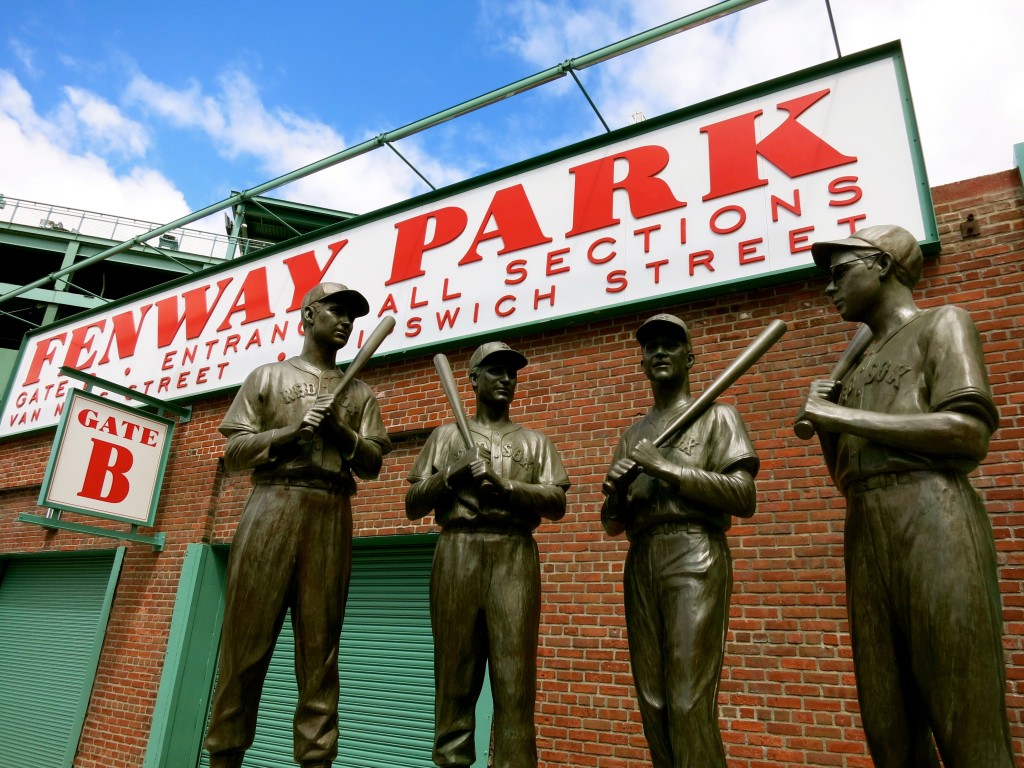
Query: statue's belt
[(886, 480), (673, 526), (314, 483)]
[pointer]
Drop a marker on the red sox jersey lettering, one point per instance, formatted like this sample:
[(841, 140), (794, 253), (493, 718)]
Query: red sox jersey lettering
[(298, 391)]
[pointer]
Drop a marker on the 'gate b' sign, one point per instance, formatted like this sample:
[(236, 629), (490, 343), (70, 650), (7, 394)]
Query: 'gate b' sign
[(108, 460)]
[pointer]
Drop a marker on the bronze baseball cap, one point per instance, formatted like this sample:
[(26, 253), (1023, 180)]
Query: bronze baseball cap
[(497, 352), (890, 238), (670, 325), (354, 300)]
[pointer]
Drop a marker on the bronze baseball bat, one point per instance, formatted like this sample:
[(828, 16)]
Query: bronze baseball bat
[(373, 341), (451, 392), (803, 428), (746, 360)]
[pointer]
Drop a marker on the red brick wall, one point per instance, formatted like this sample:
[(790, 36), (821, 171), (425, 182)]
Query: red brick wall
[(787, 694)]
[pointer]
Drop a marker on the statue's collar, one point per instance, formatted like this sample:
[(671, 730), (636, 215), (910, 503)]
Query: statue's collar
[(302, 365)]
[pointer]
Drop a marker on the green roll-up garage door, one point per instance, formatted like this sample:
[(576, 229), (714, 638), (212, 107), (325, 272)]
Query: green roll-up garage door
[(387, 673), (53, 615)]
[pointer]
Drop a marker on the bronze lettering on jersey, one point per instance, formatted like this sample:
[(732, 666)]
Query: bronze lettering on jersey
[(518, 455), (298, 391), (688, 445), (898, 372), (888, 371)]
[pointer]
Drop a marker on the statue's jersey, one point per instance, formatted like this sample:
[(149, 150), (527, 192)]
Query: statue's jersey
[(716, 442), (514, 453), (278, 395), (932, 363)]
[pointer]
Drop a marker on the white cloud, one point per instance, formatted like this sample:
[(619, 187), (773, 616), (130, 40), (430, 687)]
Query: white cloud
[(545, 33), (186, 107), (16, 103), (965, 75), (242, 127), (25, 56), (103, 126), (962, 62), (41, 162), (680, 70), (73, 157)]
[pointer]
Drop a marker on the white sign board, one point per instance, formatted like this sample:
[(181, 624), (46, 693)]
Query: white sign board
[(107, 461), (718, 197)]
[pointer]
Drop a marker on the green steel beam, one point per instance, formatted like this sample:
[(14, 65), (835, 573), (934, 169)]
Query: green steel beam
[(263, 207), (832, 23), (696, 19), (52, 295), (28, 237), (1018, 158), (178, 266), (190, 663), (89, 246), (127, 245), (237, 216), (70, 254)]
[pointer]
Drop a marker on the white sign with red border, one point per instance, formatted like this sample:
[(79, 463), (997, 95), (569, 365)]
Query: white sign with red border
[(107, 461), (723, 196)]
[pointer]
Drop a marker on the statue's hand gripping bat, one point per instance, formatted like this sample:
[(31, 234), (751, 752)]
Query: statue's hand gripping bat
[(803, 428), (372, 343)]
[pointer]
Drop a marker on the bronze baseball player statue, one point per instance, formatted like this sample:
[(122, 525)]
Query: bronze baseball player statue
[(485, 584), (899, 434), (293, 546), (678, 573)]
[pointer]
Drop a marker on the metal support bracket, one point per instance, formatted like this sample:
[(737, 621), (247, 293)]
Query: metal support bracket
[(832, 23), (183, 412), (403, 158), (572, 71), (53, 521)]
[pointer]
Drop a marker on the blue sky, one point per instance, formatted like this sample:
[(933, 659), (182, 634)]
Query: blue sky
[(155, 110)]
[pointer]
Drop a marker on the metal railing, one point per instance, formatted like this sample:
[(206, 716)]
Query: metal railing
[(118, 228)]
